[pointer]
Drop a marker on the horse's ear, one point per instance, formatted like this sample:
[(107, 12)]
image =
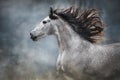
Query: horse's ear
[(52, 15), (51, 10)]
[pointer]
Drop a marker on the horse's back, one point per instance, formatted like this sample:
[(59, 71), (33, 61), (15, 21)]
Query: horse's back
[(105, 62), (112, 63), (114, 50)]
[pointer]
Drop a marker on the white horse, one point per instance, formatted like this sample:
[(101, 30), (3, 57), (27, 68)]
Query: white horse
[(77, 32)]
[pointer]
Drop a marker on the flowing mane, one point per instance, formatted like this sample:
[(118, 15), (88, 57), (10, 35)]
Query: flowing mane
[(87, 23)]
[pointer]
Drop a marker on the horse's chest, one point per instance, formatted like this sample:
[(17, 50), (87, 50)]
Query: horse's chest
[(70, 65), (65, 63)]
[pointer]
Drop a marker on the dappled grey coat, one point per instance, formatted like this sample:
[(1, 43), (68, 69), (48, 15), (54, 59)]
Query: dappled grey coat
[(80, 56)]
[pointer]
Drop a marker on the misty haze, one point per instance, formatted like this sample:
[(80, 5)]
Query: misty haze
[(23, 59)]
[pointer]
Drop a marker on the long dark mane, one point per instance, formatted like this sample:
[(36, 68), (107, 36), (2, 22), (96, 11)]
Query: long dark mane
[(87, 23)]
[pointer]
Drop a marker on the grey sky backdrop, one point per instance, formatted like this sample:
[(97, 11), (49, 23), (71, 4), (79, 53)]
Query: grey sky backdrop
[(23, 59)]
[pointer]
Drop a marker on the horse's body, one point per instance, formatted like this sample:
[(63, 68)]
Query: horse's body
[(79, 58)]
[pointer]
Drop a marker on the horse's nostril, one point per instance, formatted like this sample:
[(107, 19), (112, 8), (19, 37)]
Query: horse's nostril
[(31, 34)]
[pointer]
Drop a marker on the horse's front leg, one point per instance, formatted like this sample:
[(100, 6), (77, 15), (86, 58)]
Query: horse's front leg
[(58, 65), (68, 78), (59, 68)]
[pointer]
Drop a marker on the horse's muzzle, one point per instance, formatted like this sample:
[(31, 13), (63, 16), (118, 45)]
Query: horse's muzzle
[(34, 38)]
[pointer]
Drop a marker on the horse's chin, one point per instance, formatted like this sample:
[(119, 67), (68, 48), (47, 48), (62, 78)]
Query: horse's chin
[(35, 39)]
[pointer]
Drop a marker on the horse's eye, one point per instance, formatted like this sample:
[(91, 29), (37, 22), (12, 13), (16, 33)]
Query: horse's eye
[(44, 22)]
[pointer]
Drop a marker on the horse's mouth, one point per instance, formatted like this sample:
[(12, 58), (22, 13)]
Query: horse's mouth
[(35, 38)]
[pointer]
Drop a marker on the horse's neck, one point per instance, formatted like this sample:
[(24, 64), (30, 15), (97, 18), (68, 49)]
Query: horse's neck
[(69, 40)]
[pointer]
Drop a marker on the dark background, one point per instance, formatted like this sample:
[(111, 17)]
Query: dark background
[(23, 59)]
